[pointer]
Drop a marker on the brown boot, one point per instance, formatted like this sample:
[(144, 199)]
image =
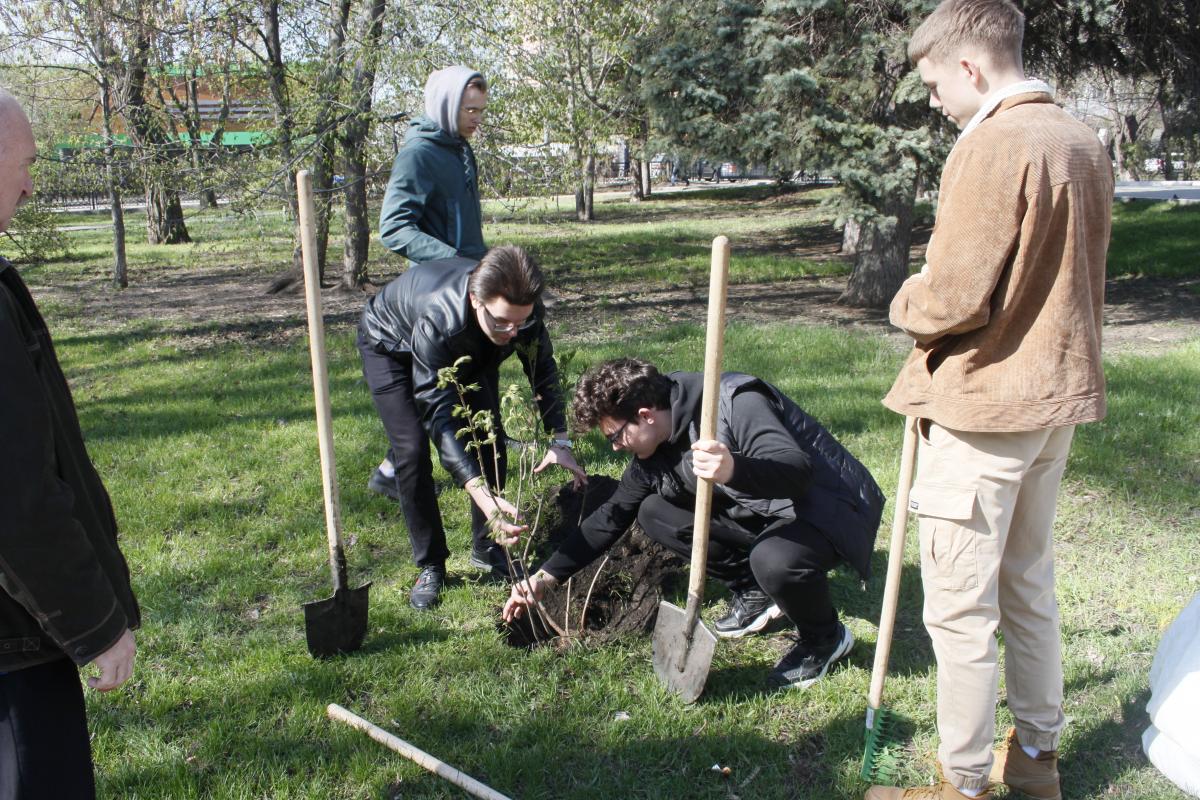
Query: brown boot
[(938, 791), (1035, 777)]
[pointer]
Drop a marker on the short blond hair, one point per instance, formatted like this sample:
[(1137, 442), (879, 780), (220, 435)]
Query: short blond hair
[(995, 26)]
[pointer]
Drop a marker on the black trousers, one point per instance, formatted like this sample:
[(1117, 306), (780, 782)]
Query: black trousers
[(44, 747), (787, 559), (390, 378)]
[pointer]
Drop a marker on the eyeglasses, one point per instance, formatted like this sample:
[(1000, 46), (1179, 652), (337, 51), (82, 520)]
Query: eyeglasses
[(504, 326), (614, 438)]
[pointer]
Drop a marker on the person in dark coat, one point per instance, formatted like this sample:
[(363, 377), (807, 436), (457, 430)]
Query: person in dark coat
[(789, 502), (431, 209), (430, 318), (65, 596)]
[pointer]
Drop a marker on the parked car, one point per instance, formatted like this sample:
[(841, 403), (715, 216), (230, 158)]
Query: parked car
[(1155, 166)]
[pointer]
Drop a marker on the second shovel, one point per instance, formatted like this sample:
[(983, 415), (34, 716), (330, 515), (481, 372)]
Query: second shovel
[(683, 646)]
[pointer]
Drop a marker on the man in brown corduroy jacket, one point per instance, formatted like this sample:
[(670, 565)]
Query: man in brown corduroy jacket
[(1006, 319)]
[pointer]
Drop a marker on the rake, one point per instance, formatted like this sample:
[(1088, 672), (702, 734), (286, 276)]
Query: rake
[(879, 755)]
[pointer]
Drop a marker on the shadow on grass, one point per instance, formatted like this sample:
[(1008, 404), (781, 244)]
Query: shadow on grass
[(1138, 300), (1154, 240), (1103, 753), (212, 390), (1151, 425), (531, 757), (674, 204)]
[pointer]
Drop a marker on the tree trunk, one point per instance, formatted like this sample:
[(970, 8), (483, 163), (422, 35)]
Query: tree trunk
[(585, 209), (164, 213), (200, 154), (881, 259), (1118, 151), (646, 155), (277, 84), (326, 125), (120, 264), (354, 151), (635, 190), (850, 236)]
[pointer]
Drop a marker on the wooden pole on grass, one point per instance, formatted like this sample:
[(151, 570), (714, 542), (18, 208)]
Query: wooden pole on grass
[(434, 765)]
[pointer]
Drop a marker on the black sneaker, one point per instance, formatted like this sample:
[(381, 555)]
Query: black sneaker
[(805, 664), (749, 612), (492, 560), (428, 588), (382, 484)]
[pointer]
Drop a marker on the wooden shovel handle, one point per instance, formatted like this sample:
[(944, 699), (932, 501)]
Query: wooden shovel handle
[(891, 589), (714, 348), (320, 378)]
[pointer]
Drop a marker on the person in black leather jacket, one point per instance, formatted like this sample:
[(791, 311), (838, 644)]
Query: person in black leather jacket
[(429, 318), (789, 502), (65, 596)]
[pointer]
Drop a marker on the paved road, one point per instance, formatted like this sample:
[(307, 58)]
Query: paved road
[(1184, 191)]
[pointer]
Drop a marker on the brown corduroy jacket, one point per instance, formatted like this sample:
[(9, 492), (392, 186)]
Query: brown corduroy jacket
[(1006, 315)]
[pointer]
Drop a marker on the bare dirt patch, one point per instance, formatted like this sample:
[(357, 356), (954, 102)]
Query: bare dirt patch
[(1141, 315), (616, 594)]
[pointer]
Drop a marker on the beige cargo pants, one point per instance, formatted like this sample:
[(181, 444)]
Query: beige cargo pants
[(986, 504)]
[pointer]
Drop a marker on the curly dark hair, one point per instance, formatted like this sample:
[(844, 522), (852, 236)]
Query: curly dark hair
[(617, 389)]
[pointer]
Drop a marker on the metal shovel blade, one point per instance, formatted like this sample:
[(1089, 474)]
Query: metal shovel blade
[(681, 668), (337, 625)]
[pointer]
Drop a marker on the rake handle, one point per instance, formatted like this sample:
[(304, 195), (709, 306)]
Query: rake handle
[(320, 378), (891, 589), (415, 754), (714, 349)]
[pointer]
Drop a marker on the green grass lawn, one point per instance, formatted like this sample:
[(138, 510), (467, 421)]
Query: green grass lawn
[(208, 448)]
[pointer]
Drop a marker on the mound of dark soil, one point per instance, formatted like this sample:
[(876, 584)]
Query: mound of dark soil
[(610, 596)]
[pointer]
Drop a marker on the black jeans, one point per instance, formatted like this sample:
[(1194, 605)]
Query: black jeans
[(787, 559), (44, 746), (390, 378)]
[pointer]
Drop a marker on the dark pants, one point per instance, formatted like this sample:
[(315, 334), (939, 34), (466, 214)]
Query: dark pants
[(390, 379), (787, 559), (44, 747)]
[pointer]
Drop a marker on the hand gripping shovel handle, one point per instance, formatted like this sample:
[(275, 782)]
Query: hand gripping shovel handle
[(714, 348), (320, 376), (891, 590)]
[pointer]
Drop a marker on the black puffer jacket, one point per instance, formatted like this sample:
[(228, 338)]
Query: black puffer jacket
[(64, 585), (425, 315), (786, 465)]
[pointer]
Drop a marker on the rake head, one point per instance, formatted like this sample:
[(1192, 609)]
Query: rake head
[(881, 754)]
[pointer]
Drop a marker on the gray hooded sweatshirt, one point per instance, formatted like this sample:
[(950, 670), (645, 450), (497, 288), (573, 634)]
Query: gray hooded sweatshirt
[(431, 208)]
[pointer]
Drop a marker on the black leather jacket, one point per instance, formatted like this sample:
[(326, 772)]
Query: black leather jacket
[(425, 316), (64, 585)]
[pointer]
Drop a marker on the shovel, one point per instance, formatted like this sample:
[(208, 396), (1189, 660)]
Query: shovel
[(683, 646), (339, 624)]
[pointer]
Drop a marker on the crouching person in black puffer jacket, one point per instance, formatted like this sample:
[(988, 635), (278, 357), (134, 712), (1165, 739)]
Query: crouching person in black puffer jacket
[(789, 502)]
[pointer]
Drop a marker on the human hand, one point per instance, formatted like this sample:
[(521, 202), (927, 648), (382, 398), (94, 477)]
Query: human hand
[(525, 594), (712, 460), (502, 516), (565, 459), (115, 663)]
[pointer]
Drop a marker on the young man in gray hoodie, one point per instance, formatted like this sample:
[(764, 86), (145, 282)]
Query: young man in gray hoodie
[(431, 209)]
